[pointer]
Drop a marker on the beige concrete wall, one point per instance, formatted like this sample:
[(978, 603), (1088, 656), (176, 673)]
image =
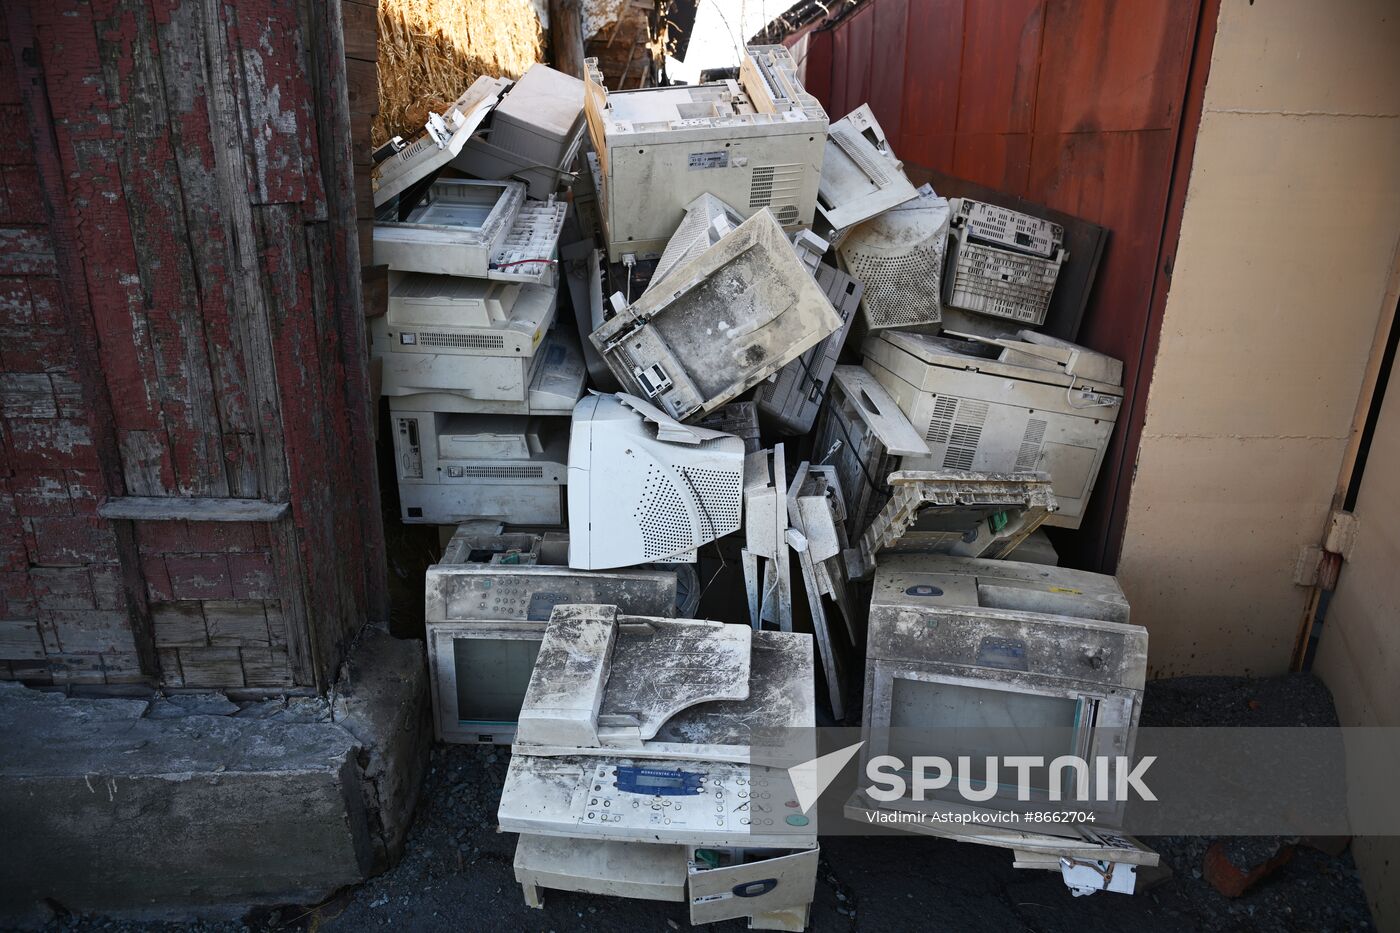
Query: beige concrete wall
[(1287, 248), (1358, 653)]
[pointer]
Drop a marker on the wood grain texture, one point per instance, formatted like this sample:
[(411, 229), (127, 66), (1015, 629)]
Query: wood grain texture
[(187, 508), (193, 262)]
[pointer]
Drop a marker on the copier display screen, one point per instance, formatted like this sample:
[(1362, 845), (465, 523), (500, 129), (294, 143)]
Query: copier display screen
[(659, 782)]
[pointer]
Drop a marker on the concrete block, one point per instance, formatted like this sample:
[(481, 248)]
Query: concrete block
[(108, 810), (126, 807), (382, 698)]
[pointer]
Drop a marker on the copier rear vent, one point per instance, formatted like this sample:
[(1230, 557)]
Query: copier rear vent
[(504, 472), (1029, 451), (965, 435), (899, 290), (778, 187), (461, 341)]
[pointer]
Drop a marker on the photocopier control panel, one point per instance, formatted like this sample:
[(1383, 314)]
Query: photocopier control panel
[(706, 796)]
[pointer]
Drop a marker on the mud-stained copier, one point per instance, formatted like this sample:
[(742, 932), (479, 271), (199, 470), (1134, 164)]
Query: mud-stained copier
[(651, 761)]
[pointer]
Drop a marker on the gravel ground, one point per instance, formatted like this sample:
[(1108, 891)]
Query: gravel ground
[(456, 872)]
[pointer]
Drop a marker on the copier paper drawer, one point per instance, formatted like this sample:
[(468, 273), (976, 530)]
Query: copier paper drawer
[(745, 883), (647, 871)]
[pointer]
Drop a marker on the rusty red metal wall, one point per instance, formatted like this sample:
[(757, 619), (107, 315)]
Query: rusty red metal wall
[(1075, 104), (181, 321)]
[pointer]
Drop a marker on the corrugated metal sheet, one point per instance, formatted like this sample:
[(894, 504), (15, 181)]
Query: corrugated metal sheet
[(1076, 104)]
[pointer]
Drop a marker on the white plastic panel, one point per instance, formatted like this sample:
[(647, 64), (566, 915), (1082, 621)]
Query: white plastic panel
[(1002, 263), (898, 255), (860, 175), (637, 498)]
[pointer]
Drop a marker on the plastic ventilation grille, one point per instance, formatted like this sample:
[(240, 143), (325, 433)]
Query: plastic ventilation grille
[(1029, 451), (462, 341), (940, 425), (778, 187), (719, 494), (854, 145), (504, 472), (965, 436), (694, 230), (1003, 284), (900, 291), (662, 517)]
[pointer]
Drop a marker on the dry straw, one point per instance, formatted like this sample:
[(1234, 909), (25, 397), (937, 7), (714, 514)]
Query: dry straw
[(431, 50)]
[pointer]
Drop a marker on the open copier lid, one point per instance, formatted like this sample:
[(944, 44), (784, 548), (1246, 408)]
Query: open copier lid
[(692, 716), (606, 683), (408, 171)]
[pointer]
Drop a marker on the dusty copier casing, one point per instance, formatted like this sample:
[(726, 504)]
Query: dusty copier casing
[(487, 604), (974, 657), (454, 468), (1002, 263), (485, 346), (461, 226), (1003, 404), (753, 143), (719, 323), (650, 761), (536, 127)]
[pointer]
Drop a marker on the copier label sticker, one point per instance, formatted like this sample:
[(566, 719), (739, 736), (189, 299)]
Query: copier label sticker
[(719, 159)]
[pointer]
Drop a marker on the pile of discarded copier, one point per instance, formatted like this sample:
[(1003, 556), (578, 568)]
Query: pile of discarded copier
[(723, 249)]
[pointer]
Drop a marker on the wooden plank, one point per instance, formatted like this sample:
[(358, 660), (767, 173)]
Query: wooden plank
[(89, 149), (151, 184), (362, 150), (248, 304), (211, 667), (359, 464), (266, 667), (179, 624), (364, 196), (186, 77), (360, 24), (363, 86), (240, 622), (19, 640), (70, 300), (184, 508), (278, 130)]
